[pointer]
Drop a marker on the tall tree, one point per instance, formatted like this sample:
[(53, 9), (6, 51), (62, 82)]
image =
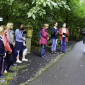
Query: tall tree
[(67, 13)]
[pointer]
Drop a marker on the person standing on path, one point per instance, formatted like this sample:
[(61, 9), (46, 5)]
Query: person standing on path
[(2, 52), (19, 43), (24, 46), (10, 37), (83, 32), (54, 37), (9, 57), (43, 39), (64, 33)]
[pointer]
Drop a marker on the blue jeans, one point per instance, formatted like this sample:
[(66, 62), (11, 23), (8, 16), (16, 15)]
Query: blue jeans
[(63, 45), (0, 64), (43, 49), (54, 43)]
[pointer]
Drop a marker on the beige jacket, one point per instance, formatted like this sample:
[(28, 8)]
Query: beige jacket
[(10, 37)]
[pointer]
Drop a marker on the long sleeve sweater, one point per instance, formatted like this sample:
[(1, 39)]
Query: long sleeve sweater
[(19, 35), (54, 33)]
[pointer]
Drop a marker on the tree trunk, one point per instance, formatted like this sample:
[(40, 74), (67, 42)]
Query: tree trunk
[(67, 13)]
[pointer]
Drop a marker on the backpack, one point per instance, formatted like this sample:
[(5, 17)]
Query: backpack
[(39, 34)]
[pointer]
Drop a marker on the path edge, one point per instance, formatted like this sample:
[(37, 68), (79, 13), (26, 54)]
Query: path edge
[(47, 66)]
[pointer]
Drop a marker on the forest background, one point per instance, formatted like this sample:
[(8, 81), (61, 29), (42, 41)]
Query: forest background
[(37, 12)]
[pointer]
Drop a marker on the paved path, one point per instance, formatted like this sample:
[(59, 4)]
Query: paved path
[(70, 70)]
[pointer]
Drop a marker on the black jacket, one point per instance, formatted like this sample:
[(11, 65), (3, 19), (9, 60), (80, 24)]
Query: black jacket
[(54, 33), (2, 49), (83, 32)]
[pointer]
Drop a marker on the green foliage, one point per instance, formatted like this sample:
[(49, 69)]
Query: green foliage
[(40, 7), (38, 12)]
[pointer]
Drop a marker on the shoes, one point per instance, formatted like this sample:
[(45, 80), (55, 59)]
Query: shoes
[(43, 56), (14, 64), (11, 71), (60, 52), (52, 52), (2, 76), (18, 61), (24, 59), (55, 52), (5, 71), (63, 52)]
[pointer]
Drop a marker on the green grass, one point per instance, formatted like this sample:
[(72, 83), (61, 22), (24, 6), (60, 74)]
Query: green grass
[(10, 76)]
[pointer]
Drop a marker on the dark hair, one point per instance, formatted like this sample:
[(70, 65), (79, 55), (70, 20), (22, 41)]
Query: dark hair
[(55, 23), (24, 32), (19, 25), (64, 23)]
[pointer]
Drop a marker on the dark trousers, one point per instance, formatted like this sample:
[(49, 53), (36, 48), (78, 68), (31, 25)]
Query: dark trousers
[(14, 51), (0, 64), (43, 49), (5, 62), (8, 61)]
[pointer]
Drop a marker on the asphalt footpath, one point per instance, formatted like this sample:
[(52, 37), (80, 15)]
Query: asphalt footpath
[(70, 70)]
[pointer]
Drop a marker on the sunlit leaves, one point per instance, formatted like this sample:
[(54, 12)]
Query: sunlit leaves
[(34, 8), (10, 2), (36, 11), (78, 8), (40, 6)]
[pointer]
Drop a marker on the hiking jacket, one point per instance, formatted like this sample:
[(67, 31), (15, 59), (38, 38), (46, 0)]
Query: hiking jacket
[(67, 34), (44, 37)]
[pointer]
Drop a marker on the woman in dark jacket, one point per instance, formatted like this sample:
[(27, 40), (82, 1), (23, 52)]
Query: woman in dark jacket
[(54, 37), (83, 32)]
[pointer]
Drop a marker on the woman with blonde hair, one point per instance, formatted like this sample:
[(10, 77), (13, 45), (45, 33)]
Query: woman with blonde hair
[(43, 39), (9, 57), (10, 37), (2, 52)]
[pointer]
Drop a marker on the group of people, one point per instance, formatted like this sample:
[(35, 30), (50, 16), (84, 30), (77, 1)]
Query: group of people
[(55, 32), (13, 45), (11, 48)]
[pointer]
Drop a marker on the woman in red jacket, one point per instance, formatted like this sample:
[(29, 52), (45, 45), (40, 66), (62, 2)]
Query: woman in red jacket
[(43, 39), (9, 57), (64, 33)]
